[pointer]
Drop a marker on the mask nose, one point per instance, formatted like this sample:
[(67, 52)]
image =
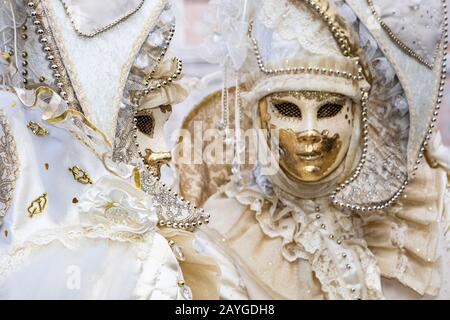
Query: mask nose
[(309, 138)]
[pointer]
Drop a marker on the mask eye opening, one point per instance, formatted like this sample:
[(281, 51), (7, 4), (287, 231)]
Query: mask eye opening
[(329, 110), (287, 109), (146, 123)]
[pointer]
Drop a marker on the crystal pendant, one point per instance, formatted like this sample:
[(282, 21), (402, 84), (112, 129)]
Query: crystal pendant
[(176, 249)]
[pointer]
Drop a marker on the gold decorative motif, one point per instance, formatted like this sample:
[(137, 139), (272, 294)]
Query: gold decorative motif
[(308, 95), (156, 159), (37, 205), (37, 129), (80, 175)]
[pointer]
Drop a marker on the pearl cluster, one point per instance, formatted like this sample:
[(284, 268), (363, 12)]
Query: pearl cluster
[(52, 54), (308, 69), (427, 137), (200, 217), (396, 40)]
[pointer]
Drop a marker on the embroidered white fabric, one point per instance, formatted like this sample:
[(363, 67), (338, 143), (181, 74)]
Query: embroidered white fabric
[(417, 23), (285, 28)]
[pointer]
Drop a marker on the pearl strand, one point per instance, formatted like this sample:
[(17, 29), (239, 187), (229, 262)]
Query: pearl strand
[(298, 70), (52, 55)]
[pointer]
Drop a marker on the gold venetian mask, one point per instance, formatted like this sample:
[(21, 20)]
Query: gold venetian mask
[(314, 130)]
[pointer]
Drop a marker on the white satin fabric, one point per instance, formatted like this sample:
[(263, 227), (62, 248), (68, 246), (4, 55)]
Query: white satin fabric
[(416, 23), (90, 241)]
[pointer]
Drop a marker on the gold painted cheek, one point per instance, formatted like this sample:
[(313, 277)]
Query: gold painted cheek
[(308, 156)]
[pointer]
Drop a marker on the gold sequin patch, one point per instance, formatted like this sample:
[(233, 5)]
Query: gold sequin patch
[(80, 175), (37, 205), (37, 129)]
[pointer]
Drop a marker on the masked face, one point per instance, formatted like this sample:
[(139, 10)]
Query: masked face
[(314, 129)]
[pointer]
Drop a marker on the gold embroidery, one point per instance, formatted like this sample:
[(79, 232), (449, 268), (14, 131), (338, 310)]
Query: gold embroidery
[(80, 175), (308, 95), (37, 129), (37, 205), (46, 166)]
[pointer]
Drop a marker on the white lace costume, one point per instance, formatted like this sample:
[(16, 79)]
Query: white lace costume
[(81, 217)]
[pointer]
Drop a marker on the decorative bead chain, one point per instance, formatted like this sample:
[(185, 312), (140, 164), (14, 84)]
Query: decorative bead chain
[(162, 83), (356, 173), (225, 117), (24, 71), (201, 217), (396, 40), (297, 70), (425, 142), (52, 54), (105, 28), (162, 54)]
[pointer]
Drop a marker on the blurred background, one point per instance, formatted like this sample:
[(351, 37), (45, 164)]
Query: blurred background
[(189, 36)]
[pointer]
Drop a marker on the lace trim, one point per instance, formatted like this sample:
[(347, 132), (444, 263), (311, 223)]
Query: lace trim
[(68, 237), (9, 165), (303, 237)]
